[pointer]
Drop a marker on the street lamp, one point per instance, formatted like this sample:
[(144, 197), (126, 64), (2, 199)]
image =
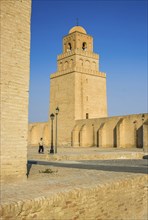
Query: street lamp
[(143, 116), (135, 132), (56, 113), (52, 148)]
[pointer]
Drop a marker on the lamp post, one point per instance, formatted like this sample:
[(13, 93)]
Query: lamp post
[(135, 132), (143, 117), (52, 148), (56, 113)]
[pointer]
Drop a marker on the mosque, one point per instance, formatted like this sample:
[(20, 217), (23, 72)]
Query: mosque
[(78, 91), (78, 116)]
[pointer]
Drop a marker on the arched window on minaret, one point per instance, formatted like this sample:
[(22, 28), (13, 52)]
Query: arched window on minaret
[(60, 66), (94, 65), (69, 47), (81, 62), (87, 64), (65, 65), (84, 46), (71, 63)]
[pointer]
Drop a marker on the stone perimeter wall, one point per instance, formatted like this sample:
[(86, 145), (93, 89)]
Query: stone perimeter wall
[(14, 86), (124, 199), (118, 132), (37, 131)]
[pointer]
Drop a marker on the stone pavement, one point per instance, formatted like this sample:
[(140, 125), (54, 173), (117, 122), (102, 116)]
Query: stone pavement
[(56, 192), (92, 153)]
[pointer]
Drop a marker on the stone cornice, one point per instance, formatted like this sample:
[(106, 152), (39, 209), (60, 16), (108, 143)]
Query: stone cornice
[(80, 70)]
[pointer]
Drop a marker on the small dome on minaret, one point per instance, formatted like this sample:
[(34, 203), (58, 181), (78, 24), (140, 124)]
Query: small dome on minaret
[(77, 28)]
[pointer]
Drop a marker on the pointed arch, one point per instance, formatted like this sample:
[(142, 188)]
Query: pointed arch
[(100, 135), (117, 133), (71, 63), (65, 65), (81, 62), (76, 136), (60, 66), (87, 63), (93, 65), (84, 46), (86, 136)]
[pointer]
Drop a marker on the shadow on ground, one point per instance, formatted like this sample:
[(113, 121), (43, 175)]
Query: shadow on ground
[(131, 166), (145, 157)]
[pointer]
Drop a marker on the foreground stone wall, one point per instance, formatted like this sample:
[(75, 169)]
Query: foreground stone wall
[(122, 199), (15, 64)]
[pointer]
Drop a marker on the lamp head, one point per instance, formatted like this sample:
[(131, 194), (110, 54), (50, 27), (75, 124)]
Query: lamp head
[(57, 110), (52, 116), (143, 117)]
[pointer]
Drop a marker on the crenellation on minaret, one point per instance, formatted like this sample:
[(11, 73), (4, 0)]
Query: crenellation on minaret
[(78, 52)]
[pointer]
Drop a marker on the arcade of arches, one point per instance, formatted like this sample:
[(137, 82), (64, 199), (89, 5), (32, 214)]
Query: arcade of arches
[(115, 132)]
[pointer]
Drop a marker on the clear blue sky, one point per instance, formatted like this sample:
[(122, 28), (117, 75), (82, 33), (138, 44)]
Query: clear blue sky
[(119, 29)]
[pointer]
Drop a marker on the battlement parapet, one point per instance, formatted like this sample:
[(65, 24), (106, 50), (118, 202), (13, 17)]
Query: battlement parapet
[(78, 52)]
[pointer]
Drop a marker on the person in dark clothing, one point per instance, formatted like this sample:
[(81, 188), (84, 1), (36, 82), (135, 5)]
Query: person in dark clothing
[(41, 147)]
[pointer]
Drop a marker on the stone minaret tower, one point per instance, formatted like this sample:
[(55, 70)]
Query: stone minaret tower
[(77, 88)]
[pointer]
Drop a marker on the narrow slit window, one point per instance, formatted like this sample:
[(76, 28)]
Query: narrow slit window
[(84, 46), (69, 47)]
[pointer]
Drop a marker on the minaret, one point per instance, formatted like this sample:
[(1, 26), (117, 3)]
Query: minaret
[(77, 88)]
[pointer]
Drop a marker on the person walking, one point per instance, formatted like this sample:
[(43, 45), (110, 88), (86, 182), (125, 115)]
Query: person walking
[(41, 147)]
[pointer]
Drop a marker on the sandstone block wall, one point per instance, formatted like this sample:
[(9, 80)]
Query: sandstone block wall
[(122, 199), (118, 132), (145, 136), (15, 64), (62, 96), (37, 131), (89, 90)]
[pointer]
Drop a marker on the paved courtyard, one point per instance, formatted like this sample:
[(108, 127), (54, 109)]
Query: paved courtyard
[(50, 175), (92, 153), (70, 173)]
